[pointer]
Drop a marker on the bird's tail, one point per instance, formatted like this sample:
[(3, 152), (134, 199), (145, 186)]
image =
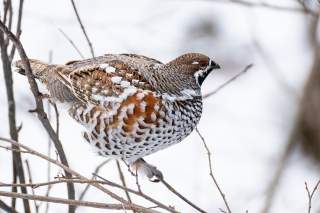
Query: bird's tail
[(39, 69)]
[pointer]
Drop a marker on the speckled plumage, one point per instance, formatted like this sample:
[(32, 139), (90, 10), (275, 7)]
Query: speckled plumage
[(130, 105)]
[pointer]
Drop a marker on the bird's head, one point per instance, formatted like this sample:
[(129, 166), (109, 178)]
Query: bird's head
[(197, 65), (185, 74)]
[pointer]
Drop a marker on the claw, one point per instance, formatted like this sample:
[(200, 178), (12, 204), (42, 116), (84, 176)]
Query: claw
[(149, 170)]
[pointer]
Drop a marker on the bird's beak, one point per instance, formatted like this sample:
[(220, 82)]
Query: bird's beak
[(214, 65)]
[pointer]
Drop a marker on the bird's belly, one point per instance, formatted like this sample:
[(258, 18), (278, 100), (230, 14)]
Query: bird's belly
[(135, 129), (117, 143)]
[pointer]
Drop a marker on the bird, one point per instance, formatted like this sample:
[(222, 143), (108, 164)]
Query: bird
[(130, 105)]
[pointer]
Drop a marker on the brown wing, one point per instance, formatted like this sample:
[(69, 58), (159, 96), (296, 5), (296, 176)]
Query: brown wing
[(142, 57), (105, 82)]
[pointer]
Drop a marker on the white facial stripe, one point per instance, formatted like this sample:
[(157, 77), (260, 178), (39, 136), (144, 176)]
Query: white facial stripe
[(201, 73)]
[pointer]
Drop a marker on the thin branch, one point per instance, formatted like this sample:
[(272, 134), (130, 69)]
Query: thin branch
[(39, 107), (65, 201), (310, 194), (97, 169), (13, 150), (6, 208), (211, 173), (30, 182), (49, 155), (123, 181), (17, 166), (81, 181), (227, 82), (49, 139), (18, 29), (9, 13), (168, 186), (71, 42), (82, 27), (79, 176), (139, 193), (265, 5), (60, 180)]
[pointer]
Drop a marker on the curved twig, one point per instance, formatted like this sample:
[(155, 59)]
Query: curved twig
[(227, 82), (125, 203), (181, 196), (65, 201), (211, 173), (82, 27)]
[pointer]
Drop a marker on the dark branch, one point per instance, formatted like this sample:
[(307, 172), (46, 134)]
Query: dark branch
[(17, 166), (39, 105), (6, 208)]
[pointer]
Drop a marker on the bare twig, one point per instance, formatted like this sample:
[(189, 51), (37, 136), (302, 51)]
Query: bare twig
[(49, 139), (65, 201), (227, 82), (49, 155), (30, 182), (71, 42), (13, 150), (168, 186), (82, 27), (252, 4), (6, 208), (160, 205), (17, 166), (39, 106), (60, 180), (18, 29), (57, 118), (97, 169), (123, 181), (211, 173), (81, 181), (310, 194), (79, 176)]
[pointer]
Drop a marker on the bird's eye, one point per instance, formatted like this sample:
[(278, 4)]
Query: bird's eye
[(203, 63)]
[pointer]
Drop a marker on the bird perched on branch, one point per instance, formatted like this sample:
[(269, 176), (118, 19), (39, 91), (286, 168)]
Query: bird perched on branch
[(130, 105)]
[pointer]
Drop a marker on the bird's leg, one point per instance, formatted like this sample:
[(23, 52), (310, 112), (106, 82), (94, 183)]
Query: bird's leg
[(149, 170)]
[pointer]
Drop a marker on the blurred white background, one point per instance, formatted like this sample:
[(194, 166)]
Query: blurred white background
[(246, 125)]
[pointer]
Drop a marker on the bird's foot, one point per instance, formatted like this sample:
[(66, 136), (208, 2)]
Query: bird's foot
[(149, 170)]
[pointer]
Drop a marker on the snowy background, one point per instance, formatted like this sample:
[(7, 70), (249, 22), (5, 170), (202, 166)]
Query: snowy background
[(246, 124)]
